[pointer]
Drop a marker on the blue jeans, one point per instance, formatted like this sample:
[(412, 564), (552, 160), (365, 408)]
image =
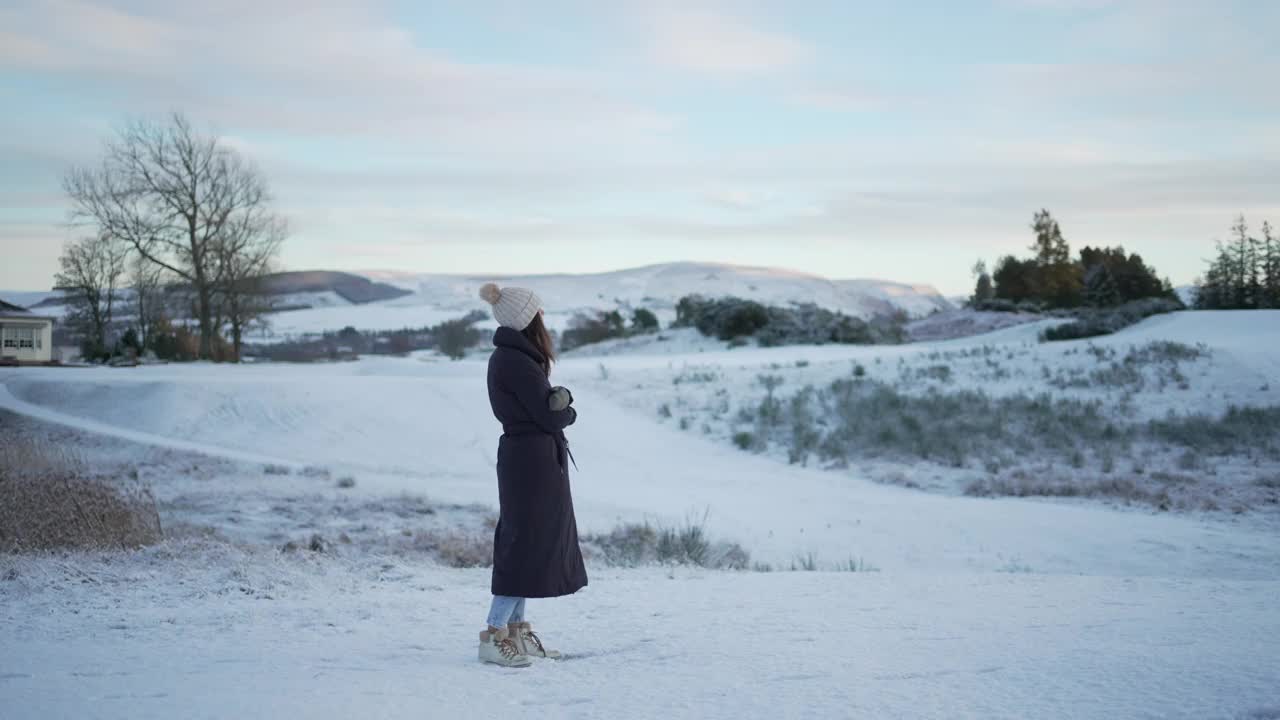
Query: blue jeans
[(505, 610)]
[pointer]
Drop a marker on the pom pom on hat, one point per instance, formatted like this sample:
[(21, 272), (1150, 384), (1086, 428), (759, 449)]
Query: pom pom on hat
[(490, 293)]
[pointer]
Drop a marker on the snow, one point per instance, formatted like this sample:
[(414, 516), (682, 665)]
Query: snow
[(330, 639), (438, 297), (976, 607), (951, 324), (661, 286), (27, 298), (310, 299), (427, 426)]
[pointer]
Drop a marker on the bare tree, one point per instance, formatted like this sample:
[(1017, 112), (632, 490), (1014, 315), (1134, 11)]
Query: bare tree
[(174, 196), (148, 281), (90, 275), (245, 251)]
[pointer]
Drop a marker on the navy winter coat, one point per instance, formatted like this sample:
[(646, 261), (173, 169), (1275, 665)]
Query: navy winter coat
[(535, 546)]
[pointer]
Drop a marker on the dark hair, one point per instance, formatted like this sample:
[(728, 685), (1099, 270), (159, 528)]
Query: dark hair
[(536, 333)]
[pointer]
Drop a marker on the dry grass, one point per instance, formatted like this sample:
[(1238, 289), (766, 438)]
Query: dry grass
[(50, 500), (636, 544), (455, 548)]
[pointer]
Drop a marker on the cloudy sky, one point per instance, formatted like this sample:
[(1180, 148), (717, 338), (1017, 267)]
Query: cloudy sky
[(895, 140)]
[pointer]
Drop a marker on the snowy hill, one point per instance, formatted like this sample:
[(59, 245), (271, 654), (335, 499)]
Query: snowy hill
[(29, 299), (659, 287), (318, 301), (436, 297)]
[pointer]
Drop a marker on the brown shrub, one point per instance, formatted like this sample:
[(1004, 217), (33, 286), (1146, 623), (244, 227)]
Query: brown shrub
[(49, 500)]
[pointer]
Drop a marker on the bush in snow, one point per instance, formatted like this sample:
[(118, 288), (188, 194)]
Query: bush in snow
[(1021, 483), (867, 418), (1165, 351), (735, 319), (725, 318), (1250, 431), (1093, 323), (49, 500), (588, 328), (455, 337), (635, 544), (644, 321), (1008, 306), (627, 545), (585, 329)]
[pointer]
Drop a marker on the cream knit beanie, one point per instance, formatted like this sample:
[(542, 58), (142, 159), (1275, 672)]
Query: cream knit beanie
[(513, 307)]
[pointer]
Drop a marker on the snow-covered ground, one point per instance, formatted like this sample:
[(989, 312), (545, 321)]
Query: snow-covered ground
[(977, 607), (240, 634)]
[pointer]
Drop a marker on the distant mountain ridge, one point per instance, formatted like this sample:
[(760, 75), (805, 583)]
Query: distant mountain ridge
[(661, 287), (291, 290), (355, 289)]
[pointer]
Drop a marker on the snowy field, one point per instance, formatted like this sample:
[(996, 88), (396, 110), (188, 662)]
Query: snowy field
[(964, 606)]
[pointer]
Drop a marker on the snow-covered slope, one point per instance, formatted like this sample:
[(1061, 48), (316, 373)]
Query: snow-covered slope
[(27, 298), (661, 286), (310, 299), (436, 297)]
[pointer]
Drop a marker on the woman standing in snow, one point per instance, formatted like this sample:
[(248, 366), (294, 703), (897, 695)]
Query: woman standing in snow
[(535, 546)]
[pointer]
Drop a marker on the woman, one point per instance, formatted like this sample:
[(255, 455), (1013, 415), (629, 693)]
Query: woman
[(535, 546)]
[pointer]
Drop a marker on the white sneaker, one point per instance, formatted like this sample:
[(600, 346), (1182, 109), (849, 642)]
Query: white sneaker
[(528, 642), (498, 648)]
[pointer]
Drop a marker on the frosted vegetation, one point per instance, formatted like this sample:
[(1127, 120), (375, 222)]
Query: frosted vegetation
[(76, 496), (1014, 420)]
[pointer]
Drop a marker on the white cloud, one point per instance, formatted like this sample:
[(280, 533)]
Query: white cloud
[(710, 41), (331, 69)]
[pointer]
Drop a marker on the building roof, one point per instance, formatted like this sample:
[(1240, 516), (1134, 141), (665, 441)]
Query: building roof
[(11, 311)]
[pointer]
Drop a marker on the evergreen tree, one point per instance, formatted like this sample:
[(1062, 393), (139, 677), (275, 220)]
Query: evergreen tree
[(1244, 273), (1254, 274), (1059, 281), (1239, 273), (1214, 291), (983, 290), (1015, 279), (1270, 267), (1134, 279), (1050, 247), (1100, 287)]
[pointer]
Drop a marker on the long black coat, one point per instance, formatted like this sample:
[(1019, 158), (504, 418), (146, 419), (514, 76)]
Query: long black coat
[(535, 546)]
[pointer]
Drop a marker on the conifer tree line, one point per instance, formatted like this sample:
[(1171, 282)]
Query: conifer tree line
[(1245, 274), (1052, 279), (179, 226)]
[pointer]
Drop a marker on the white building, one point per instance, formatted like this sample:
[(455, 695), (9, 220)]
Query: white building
[(24, 336)]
